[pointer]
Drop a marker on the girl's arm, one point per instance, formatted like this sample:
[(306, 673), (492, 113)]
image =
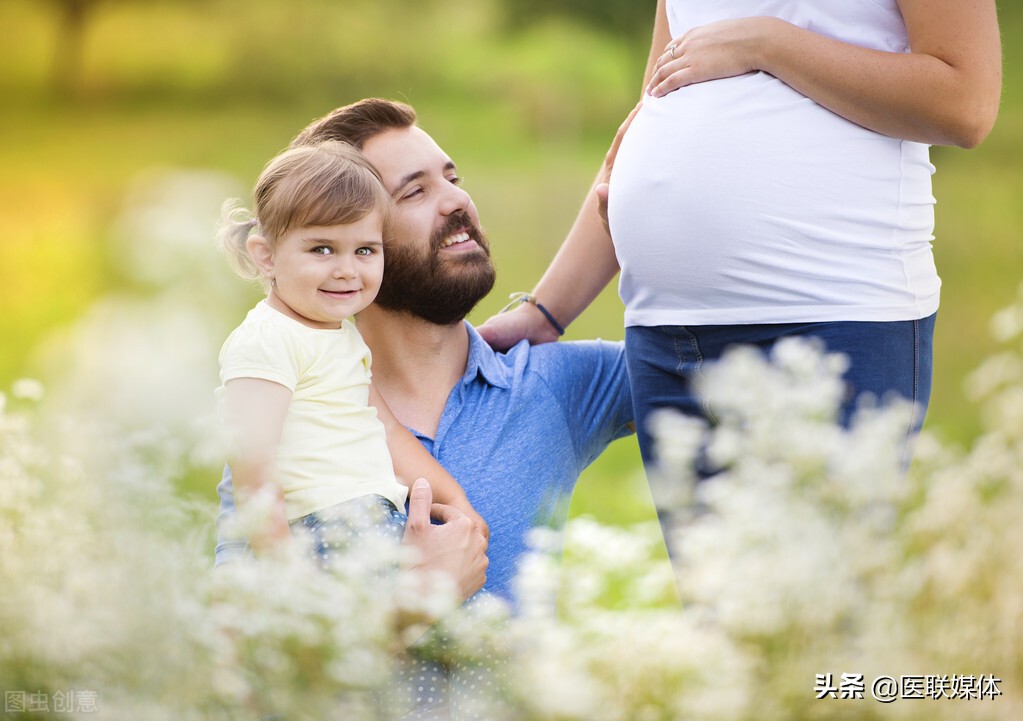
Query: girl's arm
[(255, 410), (586, 261), (412, 461), (945, 92)]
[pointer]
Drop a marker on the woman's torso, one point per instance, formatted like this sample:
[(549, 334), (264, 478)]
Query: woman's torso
[(741, 201)]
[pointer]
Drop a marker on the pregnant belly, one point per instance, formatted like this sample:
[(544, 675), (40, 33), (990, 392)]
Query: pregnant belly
[(743, 186)]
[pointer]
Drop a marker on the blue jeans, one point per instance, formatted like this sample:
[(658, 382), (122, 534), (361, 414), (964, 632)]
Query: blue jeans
[(344, 527), (884, 358)]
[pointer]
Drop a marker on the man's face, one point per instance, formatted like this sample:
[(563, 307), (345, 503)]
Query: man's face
[(437, 265)]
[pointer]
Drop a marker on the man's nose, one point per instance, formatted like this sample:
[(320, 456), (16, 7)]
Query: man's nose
[(455, 200)]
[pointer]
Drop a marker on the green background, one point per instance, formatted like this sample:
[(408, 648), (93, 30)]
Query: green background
[(524, 95)]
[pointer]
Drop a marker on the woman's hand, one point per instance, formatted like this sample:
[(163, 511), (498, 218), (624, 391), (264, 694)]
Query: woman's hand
[(603, 180), (945, 91), (524, 321), (717, 50)]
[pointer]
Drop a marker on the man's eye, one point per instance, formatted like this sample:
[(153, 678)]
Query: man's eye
[(412, 193), (455, 180)]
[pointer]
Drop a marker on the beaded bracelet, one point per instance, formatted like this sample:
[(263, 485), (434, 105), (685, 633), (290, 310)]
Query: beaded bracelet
[(520, 297)]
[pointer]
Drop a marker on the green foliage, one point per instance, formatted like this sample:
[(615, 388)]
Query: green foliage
[(526, 108), (615, 17)]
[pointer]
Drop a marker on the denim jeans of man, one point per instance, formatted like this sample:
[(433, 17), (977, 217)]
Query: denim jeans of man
[(884, 358)]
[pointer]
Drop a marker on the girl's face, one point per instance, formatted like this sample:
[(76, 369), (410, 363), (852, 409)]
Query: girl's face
[(324, 274)]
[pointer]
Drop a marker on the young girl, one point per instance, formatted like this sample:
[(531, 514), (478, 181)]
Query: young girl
[(305, 421)]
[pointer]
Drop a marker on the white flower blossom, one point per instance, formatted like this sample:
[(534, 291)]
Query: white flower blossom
[(28, 389), (810, 550)]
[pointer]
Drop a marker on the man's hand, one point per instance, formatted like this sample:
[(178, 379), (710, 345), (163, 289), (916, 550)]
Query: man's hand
[(441, 511), (455, 548)]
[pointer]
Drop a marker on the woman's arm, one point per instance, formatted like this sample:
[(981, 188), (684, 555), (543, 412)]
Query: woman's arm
[(412, 461), (945, 92), (586, 261), (254, 410), (564, 290)]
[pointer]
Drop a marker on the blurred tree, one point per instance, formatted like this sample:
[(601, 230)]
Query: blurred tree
[(632, 18), (72, 21), (67, 56)]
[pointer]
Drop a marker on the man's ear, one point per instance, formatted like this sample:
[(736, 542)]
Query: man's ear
[(261, 253)]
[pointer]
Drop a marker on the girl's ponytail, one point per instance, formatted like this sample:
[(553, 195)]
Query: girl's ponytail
[(236, 225)]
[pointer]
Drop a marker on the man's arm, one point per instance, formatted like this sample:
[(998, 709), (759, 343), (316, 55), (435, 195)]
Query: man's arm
[(412, 461)]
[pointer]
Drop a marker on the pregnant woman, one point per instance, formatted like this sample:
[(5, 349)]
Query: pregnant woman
[(776, 182)]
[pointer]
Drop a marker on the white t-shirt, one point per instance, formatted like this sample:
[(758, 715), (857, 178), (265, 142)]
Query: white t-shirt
[(740, 201), (333, 447)]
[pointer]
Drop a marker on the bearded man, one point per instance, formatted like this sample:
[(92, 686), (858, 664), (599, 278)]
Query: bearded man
[(516, 429)]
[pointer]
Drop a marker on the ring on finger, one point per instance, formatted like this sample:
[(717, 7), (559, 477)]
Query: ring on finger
[(671, 49)]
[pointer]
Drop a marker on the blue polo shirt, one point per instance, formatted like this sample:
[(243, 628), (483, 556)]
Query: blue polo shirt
[(516, 432)]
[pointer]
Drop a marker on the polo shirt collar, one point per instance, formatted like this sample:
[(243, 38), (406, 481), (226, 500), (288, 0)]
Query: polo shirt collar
[(485, 362)]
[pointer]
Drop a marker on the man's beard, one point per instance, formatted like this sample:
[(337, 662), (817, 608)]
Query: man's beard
[(439, 290)]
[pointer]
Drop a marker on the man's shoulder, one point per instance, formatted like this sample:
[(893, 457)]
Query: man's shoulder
[(571, 357), (564, 359), (571, 393)]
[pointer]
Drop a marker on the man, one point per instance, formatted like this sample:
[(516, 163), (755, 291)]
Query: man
[(515, 429)]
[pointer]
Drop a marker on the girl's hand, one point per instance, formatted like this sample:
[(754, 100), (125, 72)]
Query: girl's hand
[(717, 50)]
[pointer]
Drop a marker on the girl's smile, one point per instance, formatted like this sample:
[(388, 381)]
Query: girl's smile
[(324, 274)]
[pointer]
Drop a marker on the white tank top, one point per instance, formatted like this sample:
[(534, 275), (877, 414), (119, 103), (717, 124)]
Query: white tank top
[(741, 201)]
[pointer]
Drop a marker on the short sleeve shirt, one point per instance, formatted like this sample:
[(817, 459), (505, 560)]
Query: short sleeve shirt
[(333, 448), (517, 430)]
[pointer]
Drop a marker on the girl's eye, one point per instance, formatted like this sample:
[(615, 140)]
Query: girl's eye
[(364, 251), (322, 250)]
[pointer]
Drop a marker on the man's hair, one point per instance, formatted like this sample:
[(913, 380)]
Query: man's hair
[(356, 123)]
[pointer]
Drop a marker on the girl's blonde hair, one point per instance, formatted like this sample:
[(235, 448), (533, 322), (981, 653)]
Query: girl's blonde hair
[(329, 183)]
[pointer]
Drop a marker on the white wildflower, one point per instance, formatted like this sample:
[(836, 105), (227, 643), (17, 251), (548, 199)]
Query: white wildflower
[(164, 233), (995, 372), (28, 389), (536, 585), (1007, 324)]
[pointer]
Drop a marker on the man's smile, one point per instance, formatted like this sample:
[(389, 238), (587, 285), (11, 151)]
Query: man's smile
[(459, 241)]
